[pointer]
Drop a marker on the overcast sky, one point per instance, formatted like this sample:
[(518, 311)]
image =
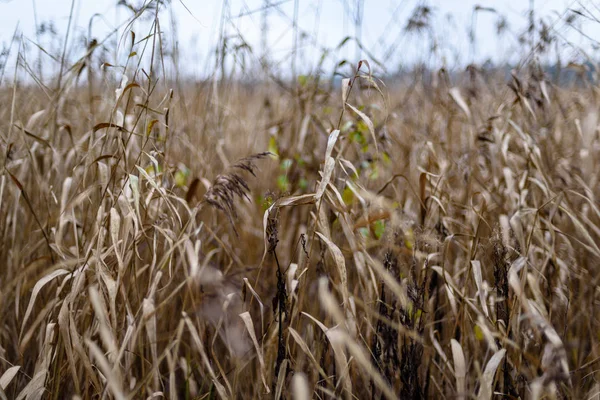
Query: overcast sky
[(324, 22)]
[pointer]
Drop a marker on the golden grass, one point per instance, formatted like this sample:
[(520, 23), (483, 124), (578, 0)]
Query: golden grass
[(428, 241)]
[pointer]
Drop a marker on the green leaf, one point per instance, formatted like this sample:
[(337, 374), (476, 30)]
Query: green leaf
[(153, 169), (409, 239), (358, 137), (374, 172), (348, 196), (386, 158), (478, 332), (286, 164), (273, 148), (283, 183), (362, 127), (303, 183), (265, 202), (418, 314), (180, 178), (379, 228)]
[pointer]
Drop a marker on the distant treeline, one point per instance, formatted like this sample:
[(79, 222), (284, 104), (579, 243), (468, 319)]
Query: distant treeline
[(571, 74)]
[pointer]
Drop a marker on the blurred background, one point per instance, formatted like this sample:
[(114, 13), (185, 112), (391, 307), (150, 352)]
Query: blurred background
[(303, 36)]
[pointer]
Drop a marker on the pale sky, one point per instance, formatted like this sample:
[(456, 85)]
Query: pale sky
[(325, 22)]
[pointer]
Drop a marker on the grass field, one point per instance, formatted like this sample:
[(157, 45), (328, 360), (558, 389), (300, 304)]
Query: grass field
[(354, 236)]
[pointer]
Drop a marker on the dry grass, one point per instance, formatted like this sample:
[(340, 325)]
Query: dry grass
[(430, 240)]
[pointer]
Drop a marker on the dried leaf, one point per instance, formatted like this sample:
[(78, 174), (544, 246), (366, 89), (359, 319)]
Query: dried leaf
[(112, 380), (298, 338), (367, 121), (460, 368), (331, 143), (340, 263), (36, 289), (8, 376), (345, 90), (300, 390), (457, 97), (487, 380), (325, 178), (476, 264), (104, 125), (205, 361)]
